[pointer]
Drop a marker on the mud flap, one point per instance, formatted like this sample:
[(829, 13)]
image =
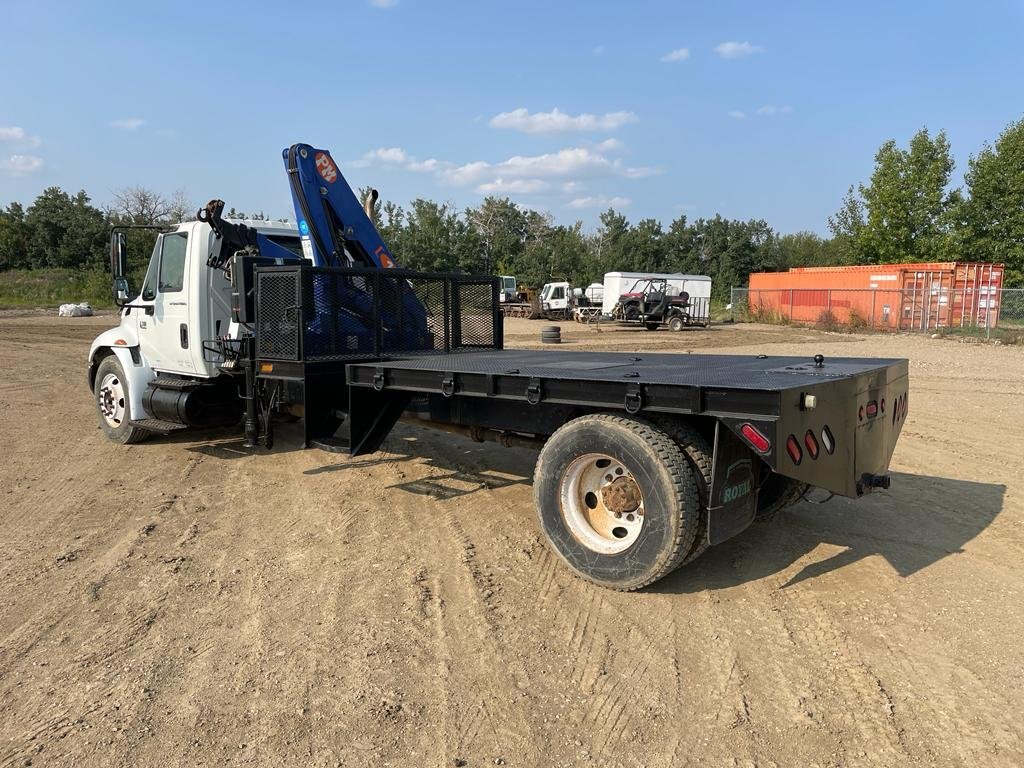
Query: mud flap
[(733, 500), (371, 415)]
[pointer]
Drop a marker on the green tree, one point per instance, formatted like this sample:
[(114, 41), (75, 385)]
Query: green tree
[(500, 229), (806, 249), (992, 217), (904, 213), (14, 237)]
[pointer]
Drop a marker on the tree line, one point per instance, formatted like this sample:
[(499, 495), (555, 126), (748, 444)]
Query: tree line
[(907, 211)]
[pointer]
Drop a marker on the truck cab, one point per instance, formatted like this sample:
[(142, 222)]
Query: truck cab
[(556, 300), (181, 304)]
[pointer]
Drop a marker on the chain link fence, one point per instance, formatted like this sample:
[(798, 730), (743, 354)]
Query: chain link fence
[(894, 310)]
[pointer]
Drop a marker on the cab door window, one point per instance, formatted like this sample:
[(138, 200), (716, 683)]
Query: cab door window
[(172, 262)]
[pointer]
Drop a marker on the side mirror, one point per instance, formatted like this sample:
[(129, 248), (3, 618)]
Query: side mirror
[(118, 254), (118, 268), (122, 292)]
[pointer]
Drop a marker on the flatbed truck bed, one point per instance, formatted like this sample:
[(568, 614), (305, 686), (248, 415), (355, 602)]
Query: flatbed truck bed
[(724, 439)]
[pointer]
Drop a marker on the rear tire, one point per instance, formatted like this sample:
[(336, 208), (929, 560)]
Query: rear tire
[(675, 323), (113, 404), (699, 453), (623, 533)]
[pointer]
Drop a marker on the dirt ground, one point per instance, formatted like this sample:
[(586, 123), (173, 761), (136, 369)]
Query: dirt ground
[(184, 603)]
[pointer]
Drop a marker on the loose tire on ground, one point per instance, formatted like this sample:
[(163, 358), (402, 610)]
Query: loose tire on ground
[(584, 514), (776, 493), (113, 405)]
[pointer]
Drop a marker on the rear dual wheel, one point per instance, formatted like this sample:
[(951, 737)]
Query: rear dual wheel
[(618, 500)]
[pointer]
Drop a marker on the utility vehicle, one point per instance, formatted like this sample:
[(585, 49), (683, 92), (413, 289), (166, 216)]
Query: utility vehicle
[(645, 459)]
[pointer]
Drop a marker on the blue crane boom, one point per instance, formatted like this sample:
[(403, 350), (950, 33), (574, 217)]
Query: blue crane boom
[(334, 228)]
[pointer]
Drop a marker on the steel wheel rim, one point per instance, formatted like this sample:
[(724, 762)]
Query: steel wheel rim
[(601, 503), (111, 400)]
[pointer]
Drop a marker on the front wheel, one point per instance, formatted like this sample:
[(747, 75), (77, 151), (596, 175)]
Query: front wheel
[(113, 406), (617, 500)]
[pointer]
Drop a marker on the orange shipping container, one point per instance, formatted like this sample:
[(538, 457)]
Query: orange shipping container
[(896, 296)]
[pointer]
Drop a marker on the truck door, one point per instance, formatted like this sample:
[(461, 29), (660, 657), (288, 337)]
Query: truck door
[(164, 334)]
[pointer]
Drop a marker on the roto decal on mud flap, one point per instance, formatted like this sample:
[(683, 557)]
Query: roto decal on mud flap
[(739, 481), (326, 167)]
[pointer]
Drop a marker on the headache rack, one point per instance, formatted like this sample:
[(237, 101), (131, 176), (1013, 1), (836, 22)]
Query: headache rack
[(311, 315)]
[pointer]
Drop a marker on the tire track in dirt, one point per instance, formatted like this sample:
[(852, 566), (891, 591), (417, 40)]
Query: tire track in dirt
[(846, 679)]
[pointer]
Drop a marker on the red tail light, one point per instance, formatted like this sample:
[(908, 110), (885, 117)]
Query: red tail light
[(754, 436), (872, 409), (812, 444), (793, 449)]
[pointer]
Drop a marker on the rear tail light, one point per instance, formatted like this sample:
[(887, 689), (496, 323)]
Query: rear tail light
[(794, 450), (828, 440), (812, 444), (754, 436), (872, 410)]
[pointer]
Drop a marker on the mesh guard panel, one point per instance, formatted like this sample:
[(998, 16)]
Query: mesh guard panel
[(358, 314)]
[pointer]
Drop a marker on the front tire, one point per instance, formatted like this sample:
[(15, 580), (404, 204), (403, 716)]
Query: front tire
[(617, 500), (113, 404)]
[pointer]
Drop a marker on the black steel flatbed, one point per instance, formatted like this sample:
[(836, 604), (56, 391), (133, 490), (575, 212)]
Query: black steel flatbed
[(853, 406), (672, 383)]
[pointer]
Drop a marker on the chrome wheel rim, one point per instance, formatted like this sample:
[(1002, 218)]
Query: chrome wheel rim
[(111, 400), (601, 503)]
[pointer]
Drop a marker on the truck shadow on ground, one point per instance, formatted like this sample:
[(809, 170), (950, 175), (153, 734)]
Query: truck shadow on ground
[(455, 466), (921, 520)]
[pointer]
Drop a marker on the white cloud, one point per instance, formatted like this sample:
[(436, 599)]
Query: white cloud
[(598, 50), (738, 114), (22, 165), (609, 145), (128, 123), (13, 134), (770, 109), (385, 155), (383, 3), (566, 163), (599, 201), (734, 50), (502, 186), (562, 172), (679, 54), (557, 121)]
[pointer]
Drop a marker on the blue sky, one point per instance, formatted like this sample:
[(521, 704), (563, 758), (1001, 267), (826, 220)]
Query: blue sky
[(767, 110)]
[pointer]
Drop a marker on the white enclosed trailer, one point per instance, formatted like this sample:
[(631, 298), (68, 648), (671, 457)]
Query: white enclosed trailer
[(618, 283)]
